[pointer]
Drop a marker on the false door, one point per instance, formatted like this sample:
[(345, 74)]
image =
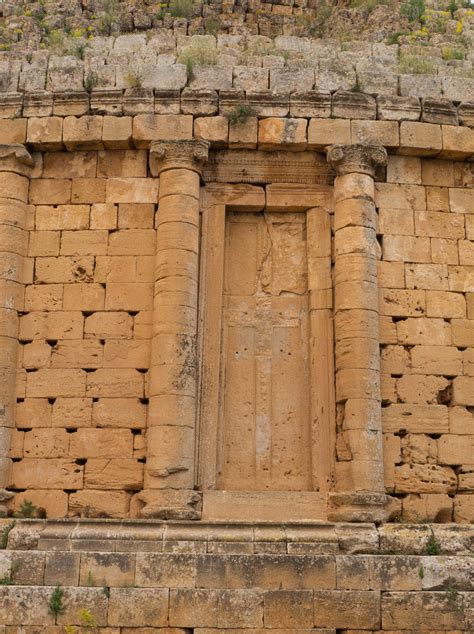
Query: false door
[(266, 412)]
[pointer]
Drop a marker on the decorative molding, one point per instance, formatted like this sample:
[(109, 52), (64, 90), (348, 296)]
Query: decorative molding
[(165, 155), (15, 158), (257, 167), (357, 158)]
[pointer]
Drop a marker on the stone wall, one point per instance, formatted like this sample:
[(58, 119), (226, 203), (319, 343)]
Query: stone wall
[(86, 294), (141, 578)]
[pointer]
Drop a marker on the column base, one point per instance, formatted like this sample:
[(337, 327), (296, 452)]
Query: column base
[(167, 504), (362, 506)]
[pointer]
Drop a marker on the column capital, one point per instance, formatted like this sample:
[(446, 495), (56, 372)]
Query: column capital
[(191, 155), (15, 158), (357, 158)]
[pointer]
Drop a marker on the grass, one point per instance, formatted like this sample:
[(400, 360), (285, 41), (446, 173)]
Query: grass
[(56, 605), (414, 65)]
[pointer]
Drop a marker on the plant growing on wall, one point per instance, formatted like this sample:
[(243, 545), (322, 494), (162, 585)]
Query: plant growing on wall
[(56, 605)]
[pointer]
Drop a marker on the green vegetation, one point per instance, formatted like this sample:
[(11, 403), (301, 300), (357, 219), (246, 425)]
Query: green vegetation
[(134, 79), (421, 571), (211, 25), (416, 65), (109, 16), (432, 546), (413, 10), (200, 53), (56, 605), (181, 8), (449, 53), (240, 114), (87, 618), (4, 535), (357, 87), (90, 81), (27, 509)]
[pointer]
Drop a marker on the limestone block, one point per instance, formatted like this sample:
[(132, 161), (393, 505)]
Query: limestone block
[(426, 611), (33, 413), (196, 608), (420, 139), (437, 198), (51, 383), (396, 222), (427, 276), (126, 354), (466, 252), (396, 196), (83, 133), (250, 78), (424, 478), (379, 132), (395, 360), (131, 190), (136, 216), (464, 509), (212, 129), (288, 608), (43, 243), (108, 325), (117, 133), (148, 128), (243, 136), (310, 103), (77, 353), (211, 78), (122, 163), (44, 297), (352, 105), (84, 297), (53, 473), (455, 450), (62, 216), (107, 569), (54, 325), (342, 609), (84, 242), (92, 503), (398, 108), (282, 134), (129, 297), (46, 443), (47, 191), (166, 570), (103, 216), (439, 225), (45, 133), (72, 412), (423, 419), (460, 200), (324, 132), (419, 448), (461, 421), (125, 242), (463, 390), (357, 383), (439, 173), (440, 360), (117, 382), (414, 388), (404, 169), (403, 303), (237, 608), (445, 304), (463, 332), (70, 165), (287, 81), (119, 412), (422, 507), (415, 85), (360, 240), (199, 102), (25, 606), (138, 607), (458, 142), (62, 568), (444, 251), (395, 573), (103, 473), (13, 130), (88, 190)]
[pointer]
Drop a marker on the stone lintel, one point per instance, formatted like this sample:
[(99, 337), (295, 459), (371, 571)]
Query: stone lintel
[(166, 155), (357, 158)]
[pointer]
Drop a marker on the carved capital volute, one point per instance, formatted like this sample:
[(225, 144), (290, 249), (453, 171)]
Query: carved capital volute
[(356, 159), (166, 155), (15, 158)]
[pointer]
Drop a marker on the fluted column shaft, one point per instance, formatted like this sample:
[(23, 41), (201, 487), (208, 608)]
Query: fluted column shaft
[(359, 467), (15, 168), (173, 368)]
